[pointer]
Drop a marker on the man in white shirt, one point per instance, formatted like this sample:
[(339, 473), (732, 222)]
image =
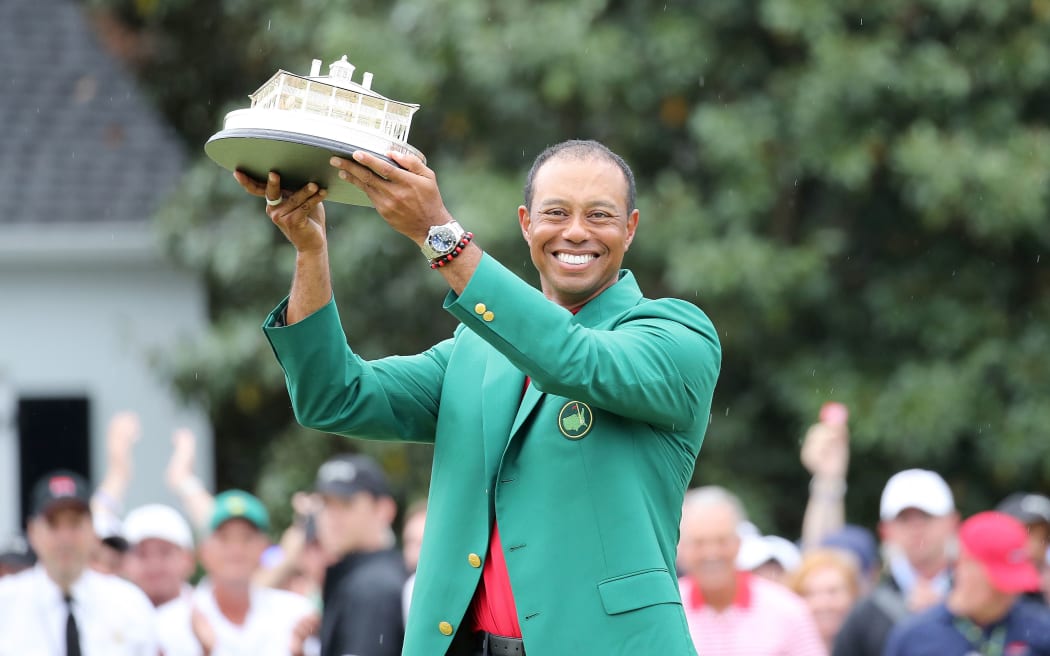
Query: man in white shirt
[(226, 615), (60, 606), (160, 557)]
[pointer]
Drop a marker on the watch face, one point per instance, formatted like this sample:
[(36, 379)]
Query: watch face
[(442, 240)]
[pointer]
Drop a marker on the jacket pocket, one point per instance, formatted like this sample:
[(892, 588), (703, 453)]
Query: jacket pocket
[(638, 590)]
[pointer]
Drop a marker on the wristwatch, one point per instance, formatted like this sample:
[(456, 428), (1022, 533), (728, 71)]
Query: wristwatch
[(442, 240)]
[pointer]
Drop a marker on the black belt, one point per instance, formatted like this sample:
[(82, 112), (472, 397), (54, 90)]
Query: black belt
[(490, 644)]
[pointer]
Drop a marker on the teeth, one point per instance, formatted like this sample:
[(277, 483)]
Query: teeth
[(569, 258)]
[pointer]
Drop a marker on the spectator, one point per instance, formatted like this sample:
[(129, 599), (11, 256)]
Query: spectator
[(196, 500), (730, 612), (227, 615), (160, 560), (859, 543), (107, 503), (983, 613), (15, 556), (61, 606), (111, 551), (825, 454), (411, 543), (918, 529), (829, 582), (363, 589), (298, 563), (412, 533), (1032, 510)]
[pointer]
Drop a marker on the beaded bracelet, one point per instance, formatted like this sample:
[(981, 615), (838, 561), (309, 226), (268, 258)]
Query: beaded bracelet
[(439, 262)]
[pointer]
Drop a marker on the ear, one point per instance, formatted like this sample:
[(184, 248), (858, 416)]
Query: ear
[(386, 508), (33, 533), (885, 531), (525, 221), (632, 226)]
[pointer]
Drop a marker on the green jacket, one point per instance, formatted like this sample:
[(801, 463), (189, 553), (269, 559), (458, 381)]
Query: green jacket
[(585, 473)]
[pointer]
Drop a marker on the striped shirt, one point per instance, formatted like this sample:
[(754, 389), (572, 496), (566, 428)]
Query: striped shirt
[(765, 619)]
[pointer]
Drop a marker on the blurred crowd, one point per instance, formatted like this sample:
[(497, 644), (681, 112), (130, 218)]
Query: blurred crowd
[(206, 578), (925, 584)]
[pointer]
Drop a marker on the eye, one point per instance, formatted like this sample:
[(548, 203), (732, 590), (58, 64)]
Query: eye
[(555, 213)]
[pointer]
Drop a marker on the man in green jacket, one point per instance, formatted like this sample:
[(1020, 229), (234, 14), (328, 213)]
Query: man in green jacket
[(566, 422)]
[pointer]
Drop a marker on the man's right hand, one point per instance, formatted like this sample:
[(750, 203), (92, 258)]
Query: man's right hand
[(300, 214), (124, 430), (825, 451)]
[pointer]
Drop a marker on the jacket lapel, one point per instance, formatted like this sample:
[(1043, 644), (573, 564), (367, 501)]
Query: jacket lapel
[(528, 403), (500, 394)]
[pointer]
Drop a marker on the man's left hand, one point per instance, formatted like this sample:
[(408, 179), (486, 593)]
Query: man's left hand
[(407, 197)]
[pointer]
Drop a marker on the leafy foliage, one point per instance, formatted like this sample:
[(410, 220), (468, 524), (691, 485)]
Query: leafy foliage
[(855, 192)]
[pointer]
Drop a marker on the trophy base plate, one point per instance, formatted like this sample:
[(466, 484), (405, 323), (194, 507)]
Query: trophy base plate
[(298, 158)]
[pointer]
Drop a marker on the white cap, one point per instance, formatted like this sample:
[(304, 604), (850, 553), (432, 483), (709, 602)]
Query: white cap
[(160, 522), (916, 488), (756, 550), (107, 525)]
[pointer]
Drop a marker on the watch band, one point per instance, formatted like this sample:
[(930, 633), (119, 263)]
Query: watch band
[(441, 261)]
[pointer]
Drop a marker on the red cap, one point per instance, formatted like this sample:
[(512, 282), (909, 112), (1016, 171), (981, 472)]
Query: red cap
[(997, 541)]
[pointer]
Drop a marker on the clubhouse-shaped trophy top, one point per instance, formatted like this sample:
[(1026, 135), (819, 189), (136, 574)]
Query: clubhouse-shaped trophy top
[(338, 98)]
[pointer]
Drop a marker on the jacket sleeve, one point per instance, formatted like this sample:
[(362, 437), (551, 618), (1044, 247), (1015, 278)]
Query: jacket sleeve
[(332, 389), (658, 364)]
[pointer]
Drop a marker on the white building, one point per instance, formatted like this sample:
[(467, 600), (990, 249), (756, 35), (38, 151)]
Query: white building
[(89, 298)]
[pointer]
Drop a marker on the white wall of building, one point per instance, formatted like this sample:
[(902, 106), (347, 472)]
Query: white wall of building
[(84, 307)]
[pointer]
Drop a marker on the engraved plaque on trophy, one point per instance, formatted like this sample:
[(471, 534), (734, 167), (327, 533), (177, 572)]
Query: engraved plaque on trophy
[(296, 123)]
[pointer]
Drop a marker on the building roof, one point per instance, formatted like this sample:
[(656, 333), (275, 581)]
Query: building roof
[(79, 142)]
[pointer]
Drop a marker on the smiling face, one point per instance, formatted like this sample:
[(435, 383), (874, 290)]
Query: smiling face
[(578, 227)]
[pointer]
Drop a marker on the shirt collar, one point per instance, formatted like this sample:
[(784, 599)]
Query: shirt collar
[(741, 600), (613, 300), (906, 577), (52, 593)]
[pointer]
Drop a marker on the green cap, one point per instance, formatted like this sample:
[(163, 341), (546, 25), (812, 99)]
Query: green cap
[(238, 504)]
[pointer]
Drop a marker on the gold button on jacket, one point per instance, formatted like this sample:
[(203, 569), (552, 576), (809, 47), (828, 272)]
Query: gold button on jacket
[(445, 628), (474, 560)]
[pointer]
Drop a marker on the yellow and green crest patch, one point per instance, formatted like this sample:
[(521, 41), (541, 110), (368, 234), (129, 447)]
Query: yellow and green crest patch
[(574, 420)]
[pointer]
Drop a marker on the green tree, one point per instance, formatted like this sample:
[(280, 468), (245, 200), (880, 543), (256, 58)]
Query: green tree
[(855, 192)]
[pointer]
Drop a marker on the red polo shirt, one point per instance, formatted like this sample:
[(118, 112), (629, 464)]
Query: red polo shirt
[(493, 609)]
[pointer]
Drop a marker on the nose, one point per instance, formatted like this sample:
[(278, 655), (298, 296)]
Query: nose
[(576, 229)]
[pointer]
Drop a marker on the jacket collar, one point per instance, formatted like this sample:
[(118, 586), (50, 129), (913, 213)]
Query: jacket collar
[(623, 294)]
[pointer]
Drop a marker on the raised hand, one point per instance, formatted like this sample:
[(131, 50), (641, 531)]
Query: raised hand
[(124, 430), (406, 196), (180, 466), (298, 214), (825, 450)]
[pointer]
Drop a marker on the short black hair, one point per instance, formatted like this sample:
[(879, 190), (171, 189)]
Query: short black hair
[(580, 149)]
